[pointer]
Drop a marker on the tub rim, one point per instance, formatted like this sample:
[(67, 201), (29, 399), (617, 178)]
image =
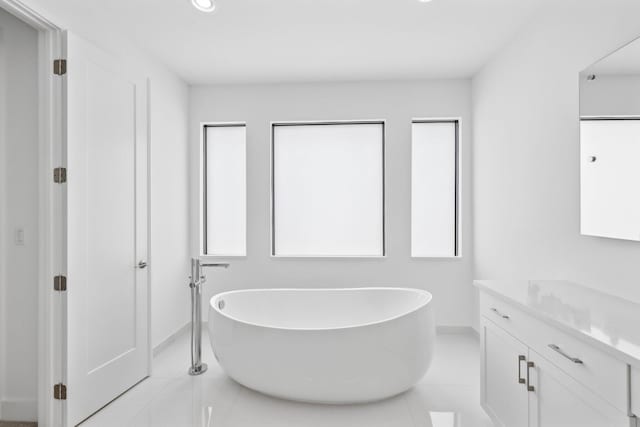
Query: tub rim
[(425, 303)]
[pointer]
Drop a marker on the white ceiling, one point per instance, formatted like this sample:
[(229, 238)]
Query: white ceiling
[(247, 41)]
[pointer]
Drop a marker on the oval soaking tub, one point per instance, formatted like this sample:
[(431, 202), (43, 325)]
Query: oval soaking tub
[(333, 346)]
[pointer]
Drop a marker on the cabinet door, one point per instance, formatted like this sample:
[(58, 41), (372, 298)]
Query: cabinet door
[(559, 401), (503, 395)]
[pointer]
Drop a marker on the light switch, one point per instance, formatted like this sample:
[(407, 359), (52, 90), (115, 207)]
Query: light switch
[(20, 236)]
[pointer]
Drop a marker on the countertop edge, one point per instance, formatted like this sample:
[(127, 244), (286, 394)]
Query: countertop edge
[(618, 354)]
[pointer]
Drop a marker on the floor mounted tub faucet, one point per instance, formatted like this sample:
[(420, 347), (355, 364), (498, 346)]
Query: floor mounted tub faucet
[(197, 279)]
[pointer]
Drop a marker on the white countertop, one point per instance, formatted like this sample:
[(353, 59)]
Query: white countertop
[(606, 321)]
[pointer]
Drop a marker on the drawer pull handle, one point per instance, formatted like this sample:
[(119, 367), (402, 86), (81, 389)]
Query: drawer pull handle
[(562, 353), (495, 310), (529, 386), (520, 360)]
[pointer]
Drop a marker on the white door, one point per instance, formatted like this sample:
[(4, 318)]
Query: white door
[(559, 401), (107, 338), (503, 366)]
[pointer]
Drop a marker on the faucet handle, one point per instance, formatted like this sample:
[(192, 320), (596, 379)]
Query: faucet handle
[(194, 283)]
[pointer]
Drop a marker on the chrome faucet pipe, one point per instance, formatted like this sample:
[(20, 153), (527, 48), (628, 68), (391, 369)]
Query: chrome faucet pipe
[(196, 281)]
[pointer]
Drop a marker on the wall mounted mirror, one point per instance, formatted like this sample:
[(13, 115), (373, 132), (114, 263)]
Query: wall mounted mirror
[(610, 145)]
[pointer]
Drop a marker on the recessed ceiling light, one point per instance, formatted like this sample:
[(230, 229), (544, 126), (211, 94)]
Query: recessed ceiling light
[(424, 1), (204, 5)]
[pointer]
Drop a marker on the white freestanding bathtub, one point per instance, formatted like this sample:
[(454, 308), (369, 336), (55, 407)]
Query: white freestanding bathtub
[(324, 345)]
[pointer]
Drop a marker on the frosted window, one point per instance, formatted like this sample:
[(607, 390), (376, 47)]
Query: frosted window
[(434, 188), (328, 190), (225, 190)]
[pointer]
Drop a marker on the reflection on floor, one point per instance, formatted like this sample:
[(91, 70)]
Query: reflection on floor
[(448, 396)]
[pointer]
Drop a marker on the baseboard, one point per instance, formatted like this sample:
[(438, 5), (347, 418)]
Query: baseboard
[(455, 330), (476, 332), (19, 410), (171, 339)]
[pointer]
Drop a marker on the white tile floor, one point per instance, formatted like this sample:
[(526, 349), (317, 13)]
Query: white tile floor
[(448, 396)]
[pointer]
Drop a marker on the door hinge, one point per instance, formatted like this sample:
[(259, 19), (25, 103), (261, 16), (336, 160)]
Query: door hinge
[(59, 67), (60, 283), (60, 175), (60, 392)]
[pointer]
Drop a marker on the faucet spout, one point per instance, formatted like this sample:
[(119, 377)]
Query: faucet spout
[(196, 270), (215, 264)]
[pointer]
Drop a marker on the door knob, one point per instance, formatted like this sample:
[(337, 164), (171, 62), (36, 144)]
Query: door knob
[(142, 264)]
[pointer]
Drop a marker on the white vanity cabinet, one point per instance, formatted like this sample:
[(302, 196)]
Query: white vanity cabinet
[(534, 374), (522, 388)]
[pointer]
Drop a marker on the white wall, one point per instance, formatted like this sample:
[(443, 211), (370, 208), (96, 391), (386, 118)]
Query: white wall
[(19, 205), (526, 152), (170, 209), (397, 103)]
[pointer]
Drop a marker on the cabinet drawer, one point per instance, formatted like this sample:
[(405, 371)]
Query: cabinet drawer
[(504, 315), (603, 374), (597, 370)]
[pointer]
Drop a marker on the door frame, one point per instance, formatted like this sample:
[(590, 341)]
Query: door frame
[(51, 215)]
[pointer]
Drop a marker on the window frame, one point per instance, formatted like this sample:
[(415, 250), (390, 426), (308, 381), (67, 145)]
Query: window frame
[(272, 234), (204, 188), (457, 235)]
